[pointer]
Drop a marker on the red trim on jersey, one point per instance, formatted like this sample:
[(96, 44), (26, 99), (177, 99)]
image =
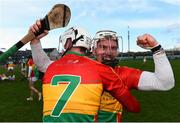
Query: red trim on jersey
[(119, 117), (96, 118)]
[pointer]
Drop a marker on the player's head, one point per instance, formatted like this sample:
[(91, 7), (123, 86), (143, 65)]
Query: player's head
[(76, 37), (105, 46)]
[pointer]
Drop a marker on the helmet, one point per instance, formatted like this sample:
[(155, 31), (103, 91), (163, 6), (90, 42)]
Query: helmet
[(104, 34), (79, 36)]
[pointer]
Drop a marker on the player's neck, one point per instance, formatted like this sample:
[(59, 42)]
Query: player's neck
[(77, 50)]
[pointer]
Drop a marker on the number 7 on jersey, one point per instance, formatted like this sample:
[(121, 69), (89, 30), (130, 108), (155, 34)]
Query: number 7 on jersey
[(73, 82)]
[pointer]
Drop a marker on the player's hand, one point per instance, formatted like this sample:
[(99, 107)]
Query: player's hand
[(147, 41), (35, 28)]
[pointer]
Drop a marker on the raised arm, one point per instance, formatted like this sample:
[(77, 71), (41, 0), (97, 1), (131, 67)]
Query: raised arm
[(162, 78), (40, 58)]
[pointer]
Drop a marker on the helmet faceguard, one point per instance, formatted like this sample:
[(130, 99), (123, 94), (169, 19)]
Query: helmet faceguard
[(108, 35), (104, 34)]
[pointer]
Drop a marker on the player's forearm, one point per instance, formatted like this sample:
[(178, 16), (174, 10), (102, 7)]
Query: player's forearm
[(128, 101), (162, 78), (40, 58)]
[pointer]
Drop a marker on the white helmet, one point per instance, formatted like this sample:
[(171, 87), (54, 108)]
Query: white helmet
[(104, 34), (82, 37)]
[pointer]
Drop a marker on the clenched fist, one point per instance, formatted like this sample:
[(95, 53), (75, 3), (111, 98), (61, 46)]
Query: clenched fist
[(147, 41)]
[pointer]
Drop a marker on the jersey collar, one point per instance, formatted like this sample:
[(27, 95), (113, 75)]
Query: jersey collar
[(71, 52)]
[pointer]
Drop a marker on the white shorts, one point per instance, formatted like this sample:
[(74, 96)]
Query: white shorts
[(32, 79), (10, 68)]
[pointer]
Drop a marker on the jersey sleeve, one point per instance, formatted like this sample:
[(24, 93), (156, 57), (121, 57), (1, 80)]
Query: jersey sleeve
[(130, 76), (162, 79), (113, 84), (41, 60)]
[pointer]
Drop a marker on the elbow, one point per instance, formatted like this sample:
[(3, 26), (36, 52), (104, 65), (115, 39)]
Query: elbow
[(42, 68), (169, 81), (168, 84), (171, 84)]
